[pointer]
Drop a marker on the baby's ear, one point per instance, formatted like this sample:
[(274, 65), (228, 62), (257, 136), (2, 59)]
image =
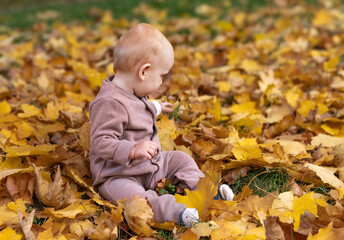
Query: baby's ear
[(143, 70)]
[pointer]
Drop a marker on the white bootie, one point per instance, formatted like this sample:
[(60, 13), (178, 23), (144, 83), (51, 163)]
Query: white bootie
[(226, 192), (189, 217)]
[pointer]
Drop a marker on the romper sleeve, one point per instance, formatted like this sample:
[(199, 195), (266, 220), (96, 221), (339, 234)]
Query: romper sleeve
[(157, 107), (109, 119)]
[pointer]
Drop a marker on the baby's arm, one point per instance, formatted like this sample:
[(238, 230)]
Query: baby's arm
[(108, 121), (143, 149), (166, 107)]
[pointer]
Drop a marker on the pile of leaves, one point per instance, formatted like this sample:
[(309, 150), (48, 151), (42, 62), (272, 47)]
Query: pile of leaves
[(263, 90)]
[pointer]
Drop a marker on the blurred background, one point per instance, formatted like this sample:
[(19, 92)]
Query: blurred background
[(24, 13)]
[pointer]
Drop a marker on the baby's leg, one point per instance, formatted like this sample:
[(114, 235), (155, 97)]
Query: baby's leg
[(165, 207), (182, 169)]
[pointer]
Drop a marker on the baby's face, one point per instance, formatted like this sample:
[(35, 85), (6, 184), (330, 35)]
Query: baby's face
[(161, 65)]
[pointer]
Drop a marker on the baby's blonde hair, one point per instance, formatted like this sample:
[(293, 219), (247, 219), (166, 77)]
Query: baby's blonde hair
[(139, 45)]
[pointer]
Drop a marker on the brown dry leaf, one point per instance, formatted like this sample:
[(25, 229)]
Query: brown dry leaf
[(279, 127), (107, 227), (275, 230), (26, 224), (139, 216), (21, 186), (104, 231), (84, 134), (55, 194), (72, 120), (189, 235), (232, 175)]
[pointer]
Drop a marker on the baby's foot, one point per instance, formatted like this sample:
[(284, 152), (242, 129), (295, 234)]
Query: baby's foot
[(224, 193), (189, 217)]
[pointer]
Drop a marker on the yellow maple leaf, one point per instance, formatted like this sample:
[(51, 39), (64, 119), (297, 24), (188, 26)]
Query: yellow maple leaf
[(322, 108), (332, 131), (236, 56), (29, 111), (51, 112), (45, 235), (251, 66), (323, 233), (8, 216), (81, 228), (223, 86), (204, 229), (13, 163), (80, 181), (293, 95), (189, 235), (9, 234), (78, 207), (326, 175), (244, 107), (303, 204), (227, 230), (29, 150), (167, 132), (215, 108), (341, 193), (322, 18), (246, 149), (305, 107), (330, 65), (3, 140), (24, 130), (5, 108), (200, 198), (19, 204)]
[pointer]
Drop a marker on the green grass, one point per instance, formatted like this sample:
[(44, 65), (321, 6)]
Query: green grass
[(263, 181), (22, 13), (164, 234)]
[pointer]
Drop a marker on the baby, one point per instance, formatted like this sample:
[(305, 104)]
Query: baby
[(126, 157)]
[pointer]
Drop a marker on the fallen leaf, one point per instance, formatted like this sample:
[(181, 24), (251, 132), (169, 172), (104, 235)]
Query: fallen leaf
[(327, 140), (139, 216), (21, 186), (56, 194), (204, 229), (26, 224), (326, 175), (199, 198), (5, 108), (10, 234), (303, 204), (246, 149)]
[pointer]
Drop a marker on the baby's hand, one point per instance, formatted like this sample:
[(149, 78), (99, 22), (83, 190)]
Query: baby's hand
[(166, 107), (143, 149)]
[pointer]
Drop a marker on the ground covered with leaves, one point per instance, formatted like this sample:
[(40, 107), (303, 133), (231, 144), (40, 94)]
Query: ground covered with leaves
[(259, 104)]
